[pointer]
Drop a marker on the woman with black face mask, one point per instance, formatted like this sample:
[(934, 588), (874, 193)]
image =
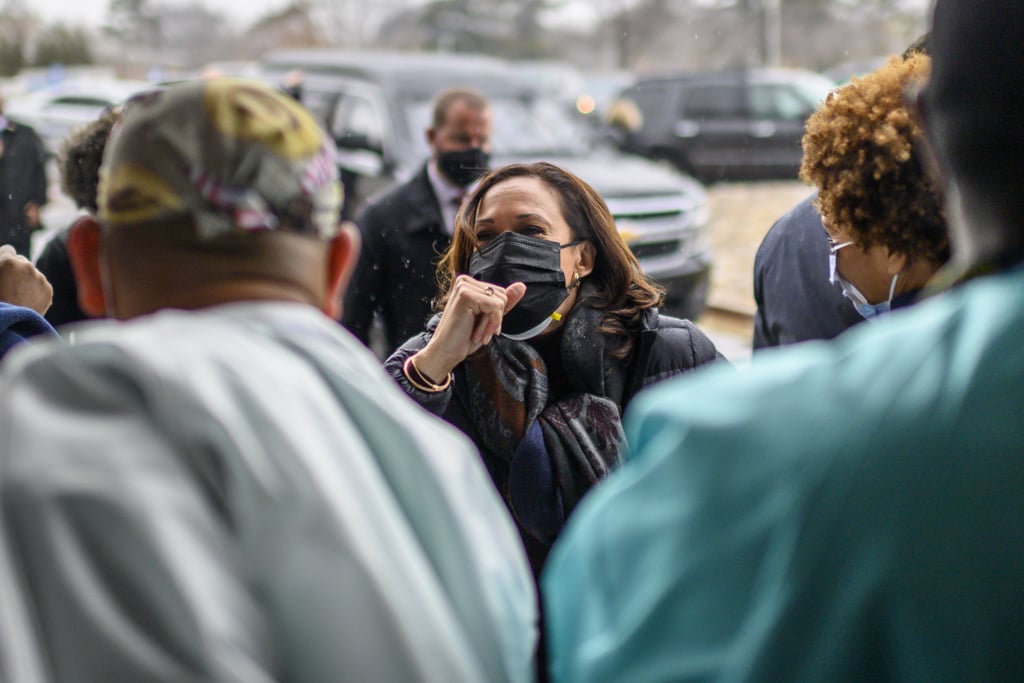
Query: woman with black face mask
[(547, 329)]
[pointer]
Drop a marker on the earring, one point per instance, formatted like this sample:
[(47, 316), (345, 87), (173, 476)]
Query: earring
[(575, 281)]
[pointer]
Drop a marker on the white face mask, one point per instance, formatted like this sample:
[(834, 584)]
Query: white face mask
[(868, 311), (859, 301)]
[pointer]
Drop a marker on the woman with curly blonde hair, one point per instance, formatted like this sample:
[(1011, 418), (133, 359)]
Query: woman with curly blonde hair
[(882, 213)]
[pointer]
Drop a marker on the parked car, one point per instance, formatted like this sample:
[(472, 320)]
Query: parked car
[(842, 73), (58, 109), (600, 89), (727, 126), (378, 107)]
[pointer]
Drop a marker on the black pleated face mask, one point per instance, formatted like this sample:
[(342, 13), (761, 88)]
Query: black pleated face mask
[(537, 263)]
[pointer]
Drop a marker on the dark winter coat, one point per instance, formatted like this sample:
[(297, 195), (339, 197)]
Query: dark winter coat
[(403, 240), (665, 347), (22, 181)]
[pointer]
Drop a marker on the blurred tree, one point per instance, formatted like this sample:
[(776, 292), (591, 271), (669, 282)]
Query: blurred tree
[(528, 37), (354, 23), (134, 22), (668, 35), (169, 36), (634, 28), (63, 44), (194, 34), (12, 51), (292, 26), (512, 29), (16, 23)]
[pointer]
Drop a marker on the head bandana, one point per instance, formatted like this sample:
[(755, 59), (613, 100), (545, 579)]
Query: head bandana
[(233, 155)]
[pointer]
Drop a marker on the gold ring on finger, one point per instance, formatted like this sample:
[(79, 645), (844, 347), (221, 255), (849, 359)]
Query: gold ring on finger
[(489, 291)]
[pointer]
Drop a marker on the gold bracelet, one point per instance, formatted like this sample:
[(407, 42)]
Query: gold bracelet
[(421, 381)]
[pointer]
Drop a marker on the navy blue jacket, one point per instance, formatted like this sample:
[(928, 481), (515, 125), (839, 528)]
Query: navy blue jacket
[(18, 324)]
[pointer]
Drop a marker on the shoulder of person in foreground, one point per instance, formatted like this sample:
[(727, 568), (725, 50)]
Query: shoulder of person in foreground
[(749, 492), (231, 436), (154, 408)]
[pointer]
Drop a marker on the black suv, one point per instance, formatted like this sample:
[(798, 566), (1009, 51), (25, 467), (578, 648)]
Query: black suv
[(378, 105), (738, 125)]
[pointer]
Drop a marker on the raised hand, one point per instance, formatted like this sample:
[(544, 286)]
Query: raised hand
[(470, 320), (21, 284)]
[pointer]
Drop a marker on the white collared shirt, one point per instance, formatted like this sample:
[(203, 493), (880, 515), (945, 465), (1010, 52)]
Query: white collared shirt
[(448, 195)]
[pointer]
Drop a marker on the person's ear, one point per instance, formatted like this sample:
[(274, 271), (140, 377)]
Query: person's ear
[(84, 245), (431, 137), (586, 255), (896, 263), (342, 256)]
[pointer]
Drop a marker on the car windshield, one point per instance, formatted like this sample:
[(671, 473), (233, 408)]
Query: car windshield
[(523, 127), (815, 88)]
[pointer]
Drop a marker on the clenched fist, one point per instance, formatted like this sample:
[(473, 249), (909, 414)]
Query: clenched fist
[(21, 284)]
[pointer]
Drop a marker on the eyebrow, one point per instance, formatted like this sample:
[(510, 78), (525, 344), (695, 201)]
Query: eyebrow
[(521, 217)]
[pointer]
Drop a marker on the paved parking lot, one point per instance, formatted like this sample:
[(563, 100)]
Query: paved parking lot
[(741, 214)]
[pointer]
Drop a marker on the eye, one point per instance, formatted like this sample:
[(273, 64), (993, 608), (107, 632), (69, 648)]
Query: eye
[(531, 231), (484, 236)]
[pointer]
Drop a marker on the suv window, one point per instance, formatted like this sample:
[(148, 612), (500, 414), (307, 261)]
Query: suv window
[(80, 101), (712, 101), (319, 104), (357, 122), (776, 101), (649, 97)]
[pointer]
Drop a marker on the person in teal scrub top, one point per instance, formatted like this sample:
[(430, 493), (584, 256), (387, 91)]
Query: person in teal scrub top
[(847, 510)]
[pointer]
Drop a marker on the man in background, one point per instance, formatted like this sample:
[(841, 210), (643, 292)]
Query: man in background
[(221, 484), (406, 231), (22, 183)]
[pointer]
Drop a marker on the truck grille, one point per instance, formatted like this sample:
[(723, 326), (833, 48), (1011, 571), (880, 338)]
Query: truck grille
[(654, 249)]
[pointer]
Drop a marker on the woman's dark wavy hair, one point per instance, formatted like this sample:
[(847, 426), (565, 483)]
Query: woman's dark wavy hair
[(621, 290)]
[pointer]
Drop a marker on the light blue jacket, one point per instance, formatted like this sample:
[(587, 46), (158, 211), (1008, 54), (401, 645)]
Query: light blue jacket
[(241, 494), (850, 511)]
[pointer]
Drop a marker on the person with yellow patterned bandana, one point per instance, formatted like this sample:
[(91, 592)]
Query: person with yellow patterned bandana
[(221, 484)]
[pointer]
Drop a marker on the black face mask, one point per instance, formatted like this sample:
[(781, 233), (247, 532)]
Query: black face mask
[(511, 257), (465, 166)]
